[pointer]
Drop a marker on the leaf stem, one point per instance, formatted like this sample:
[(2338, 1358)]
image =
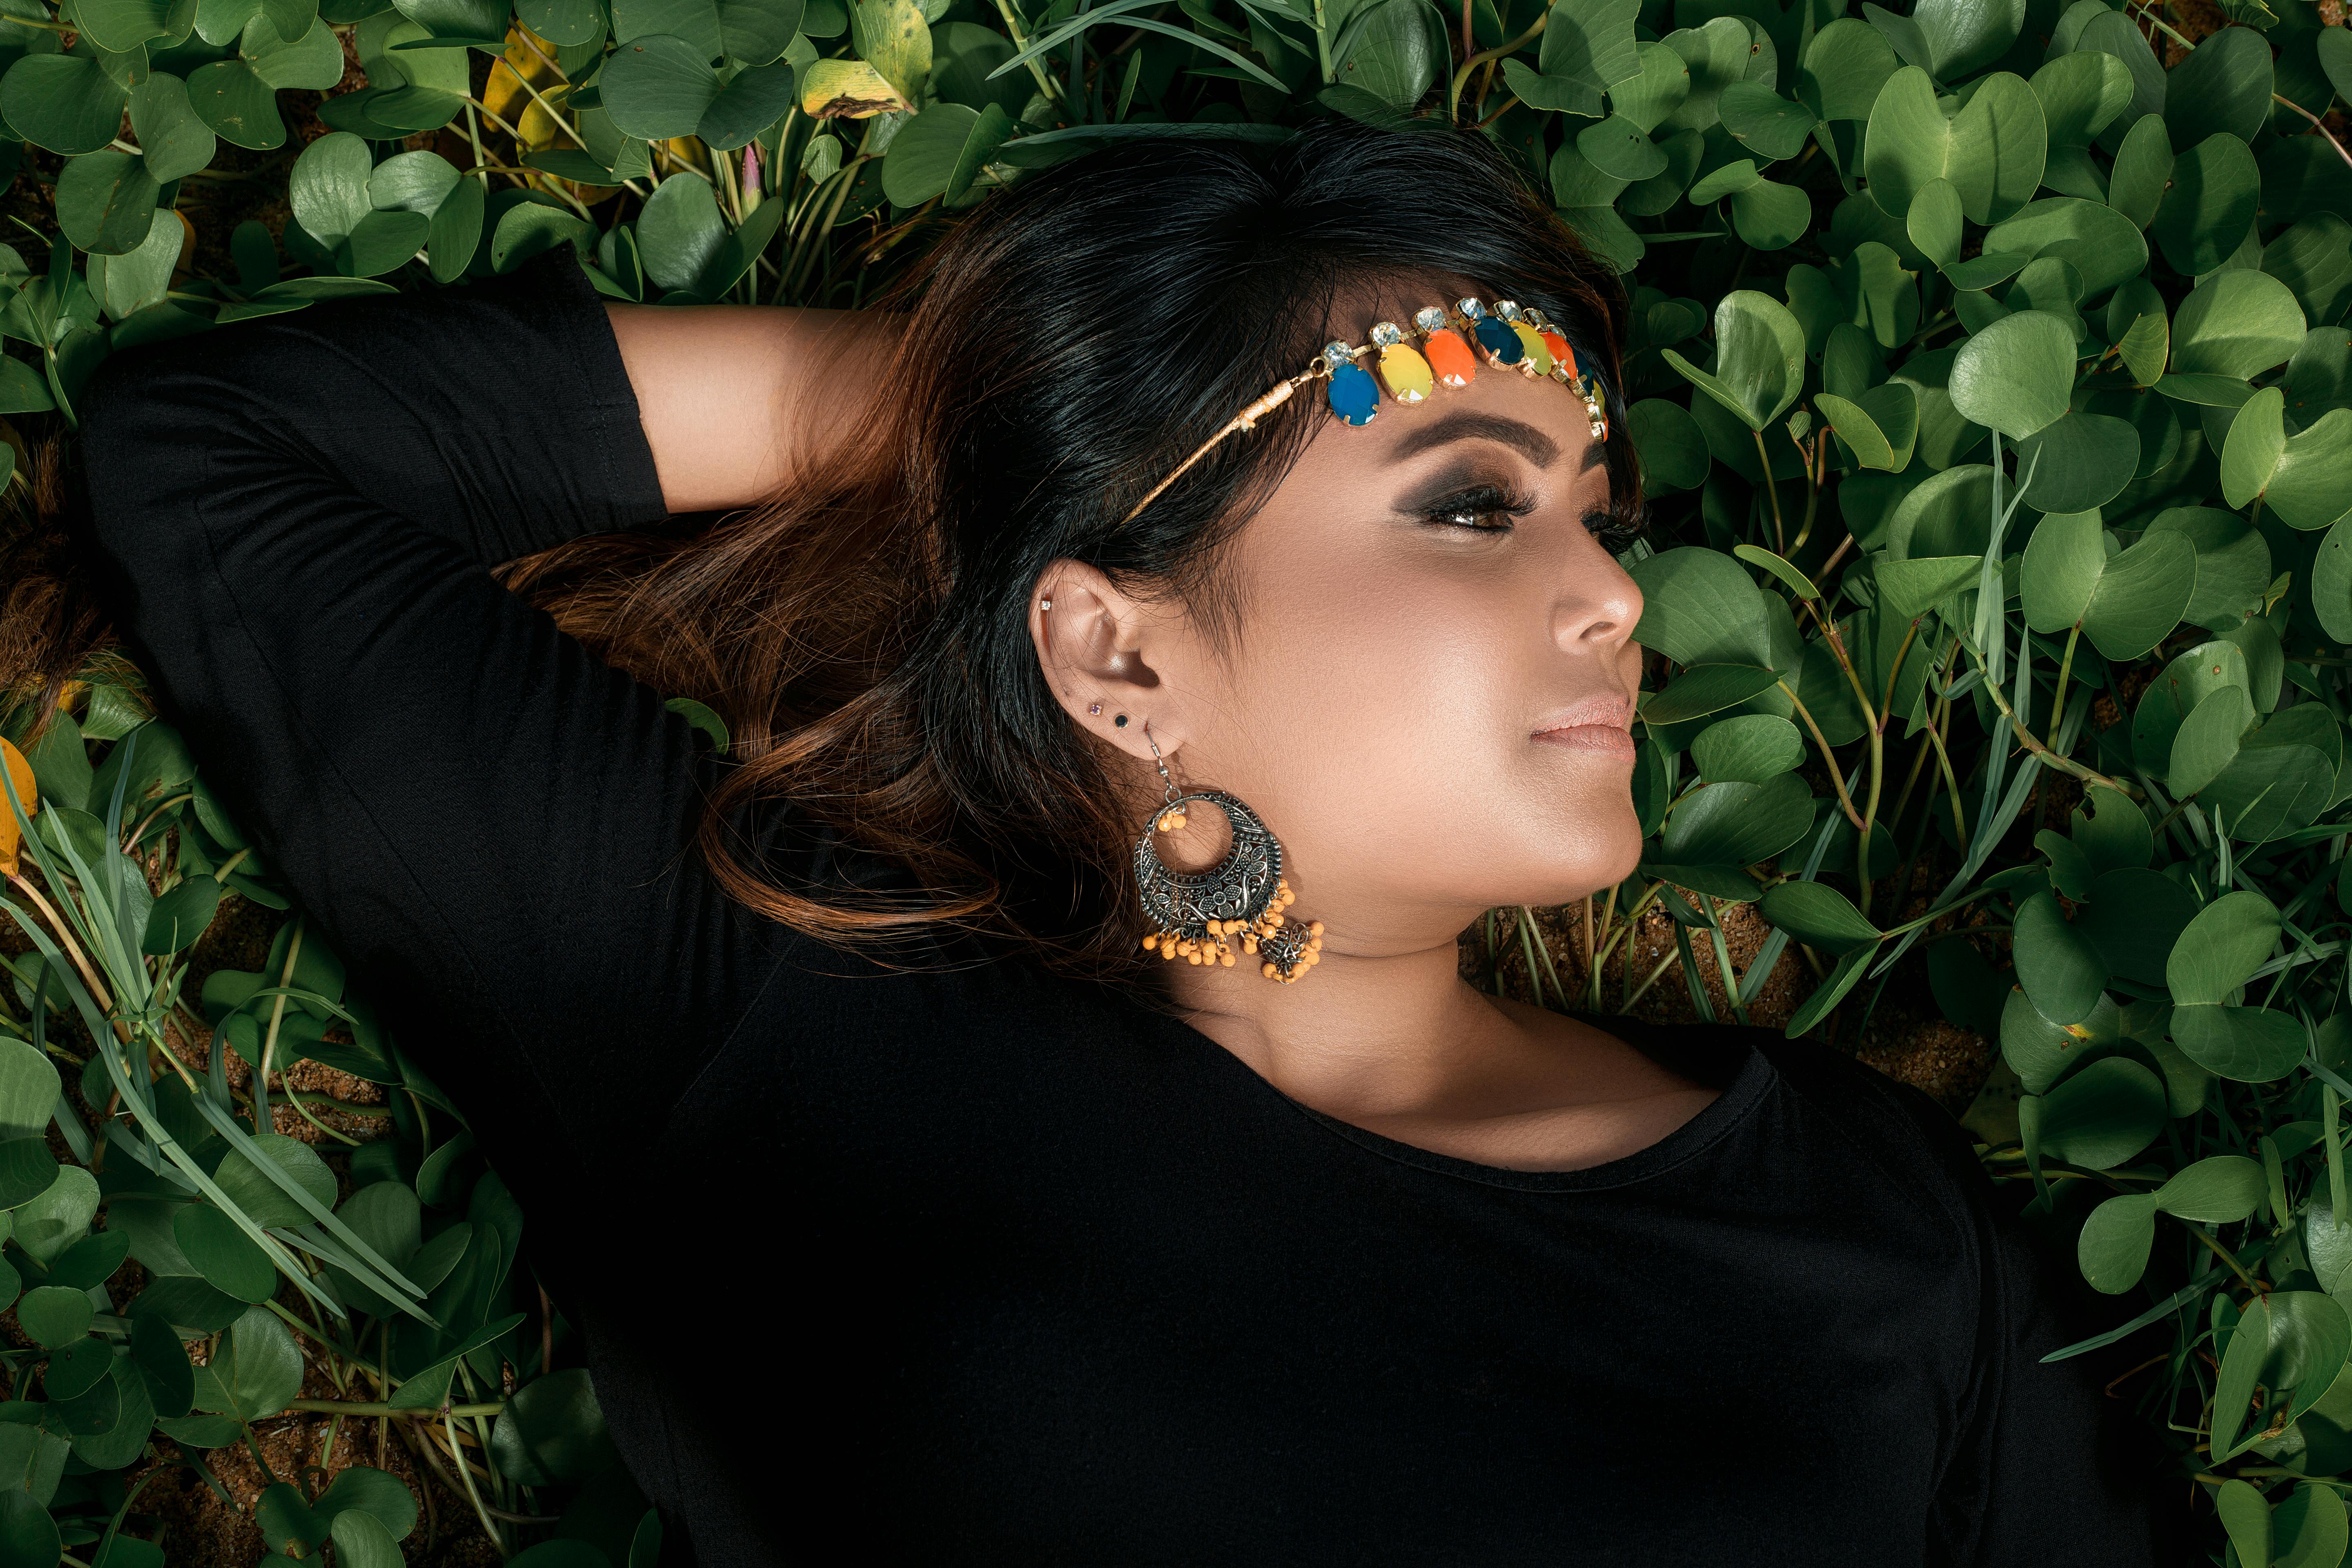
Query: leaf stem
[(1780, 544), (1837, 777)]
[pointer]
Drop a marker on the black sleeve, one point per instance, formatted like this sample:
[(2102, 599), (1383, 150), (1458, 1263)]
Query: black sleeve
[(297, 515), (2048, 1467)]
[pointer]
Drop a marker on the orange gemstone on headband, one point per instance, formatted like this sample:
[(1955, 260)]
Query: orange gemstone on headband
[(1561, 353), (1450, 358)]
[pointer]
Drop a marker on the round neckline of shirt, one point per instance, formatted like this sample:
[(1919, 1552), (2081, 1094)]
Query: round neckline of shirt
[(1740, 1096)]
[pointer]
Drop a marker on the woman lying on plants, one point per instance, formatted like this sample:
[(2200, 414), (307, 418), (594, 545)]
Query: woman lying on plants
[(1035, 991)]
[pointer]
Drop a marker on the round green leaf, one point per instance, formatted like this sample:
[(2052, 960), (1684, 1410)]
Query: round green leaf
[(258, 1368), (1738, 825), (362, 1542), (2310, 1527), (63, 103), (2229, 939), (2219, 1190), (1698, 606), (2205, 212), (1770, 215), (2016, 375), (1751, 747), (1673, 450), (1621, 149), (2081, 461), (28, 1536), (1846, 66), (1759, 352), (261, 1196), (2113, 1248), (2141, 592), (2105, 247), (2143, 168), (2224, 85), (680, 231), (177, 143), (2237, 323), (2249, 1044), (106, 201), (54, 1315), (2134, 918), (658, 87), (231, 1261), (2060, 971), (1763, 121), (2063, 561), (2104, 1113)]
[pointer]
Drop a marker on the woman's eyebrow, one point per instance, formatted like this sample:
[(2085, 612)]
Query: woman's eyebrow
[(1465, 425)]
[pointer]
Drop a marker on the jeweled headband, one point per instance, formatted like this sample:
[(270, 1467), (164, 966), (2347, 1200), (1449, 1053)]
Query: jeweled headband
[(1506, 336)]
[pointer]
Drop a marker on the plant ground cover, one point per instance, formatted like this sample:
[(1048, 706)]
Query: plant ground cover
[(1989, 368)]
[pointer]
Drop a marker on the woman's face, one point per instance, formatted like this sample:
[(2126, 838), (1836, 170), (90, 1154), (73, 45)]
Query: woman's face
[(1431, 698)]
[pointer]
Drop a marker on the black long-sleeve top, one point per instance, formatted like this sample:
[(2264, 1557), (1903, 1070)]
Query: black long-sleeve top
[(1005, 1268)]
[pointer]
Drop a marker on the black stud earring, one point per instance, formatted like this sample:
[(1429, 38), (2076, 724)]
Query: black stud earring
[(1121, 720)]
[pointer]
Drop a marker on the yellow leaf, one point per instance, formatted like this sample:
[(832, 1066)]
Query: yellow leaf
[(893, 35), (847, 89), (20, 773), (508, 99)]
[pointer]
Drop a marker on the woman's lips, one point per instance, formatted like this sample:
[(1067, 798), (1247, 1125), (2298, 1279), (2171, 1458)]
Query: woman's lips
[(1602, 723), (1606, 738)]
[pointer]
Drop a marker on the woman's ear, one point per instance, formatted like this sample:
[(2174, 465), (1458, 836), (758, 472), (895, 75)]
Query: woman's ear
[(1095, 645)]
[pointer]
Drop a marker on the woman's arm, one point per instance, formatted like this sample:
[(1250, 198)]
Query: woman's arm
[(734, 398), (491, 826)]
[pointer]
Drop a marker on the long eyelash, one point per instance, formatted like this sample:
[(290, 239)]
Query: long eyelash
[(1615, 537), (1482, 500)]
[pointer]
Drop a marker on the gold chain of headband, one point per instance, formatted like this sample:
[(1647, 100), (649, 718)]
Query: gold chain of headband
[(1506, 337)]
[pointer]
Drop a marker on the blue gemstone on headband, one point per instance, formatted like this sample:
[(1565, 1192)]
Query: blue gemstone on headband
[(1499, 342), (1354, 397)]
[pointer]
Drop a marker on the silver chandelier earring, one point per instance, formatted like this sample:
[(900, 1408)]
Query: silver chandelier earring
[(1197, 915)]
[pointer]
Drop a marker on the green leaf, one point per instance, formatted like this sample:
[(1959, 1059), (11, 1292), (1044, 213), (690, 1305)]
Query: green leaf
[(2141, 596), (2143, 169), (2237, 323), (62, 102), (680, 231), (1846, 66), (365, 1491), (1795, 581), (1590, 44), (259, 1195), (1769, 216), (893, 36), (1760, 358), (258, 1370), (944, 145), (54, 1315), (1738, 825), (2207, 740), (2310, 1526), (1910, 589), (1831, 991), (27, 1534), (2104, 1113), (2016, 375), (239, 97), (2289, 1343), (2229, 939), (106, 201), (2306, 479), (2206, 210), (1818, 915), (1883, 443), (2219, 1190), (1763, 121), (1963, 37), (2331, 583), (230, 1260), (2223, 86), (1707, 688), (2112, 1247), (2063, 561), (1673, 450), (1752, 748), (362, 1541), (658, 87), (2060, 971), (2102, 247), (1647, 99), (1992, 151), (1699, 607)]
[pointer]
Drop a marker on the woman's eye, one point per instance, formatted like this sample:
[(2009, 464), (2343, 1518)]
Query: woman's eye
[(1484, 511)]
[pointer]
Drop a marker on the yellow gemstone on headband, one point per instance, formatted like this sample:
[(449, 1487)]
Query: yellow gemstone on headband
[(1539, 352), (1405, 373)]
